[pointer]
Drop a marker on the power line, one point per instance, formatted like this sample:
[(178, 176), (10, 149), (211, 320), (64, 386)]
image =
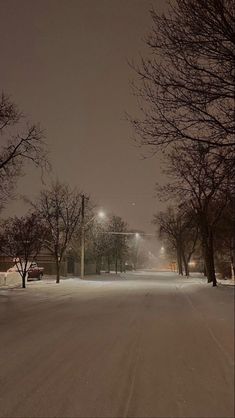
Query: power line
[(126, 196), (126, 233)]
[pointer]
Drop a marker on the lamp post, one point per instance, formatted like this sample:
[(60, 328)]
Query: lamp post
[(83, 227), (137, 237)]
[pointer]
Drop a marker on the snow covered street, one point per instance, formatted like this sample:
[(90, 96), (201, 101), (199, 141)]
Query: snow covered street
[(136, 345)]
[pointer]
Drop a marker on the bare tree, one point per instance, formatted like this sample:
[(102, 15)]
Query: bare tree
[(19, 142), (22, 238), (107, 243), (119, 246), (170, 228), (60, 209), (224, 241), (94, 237), (179, 228), (203, 180), (187, 84), (100, 245)]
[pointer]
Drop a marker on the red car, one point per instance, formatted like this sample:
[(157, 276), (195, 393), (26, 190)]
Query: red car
[(35, 272)]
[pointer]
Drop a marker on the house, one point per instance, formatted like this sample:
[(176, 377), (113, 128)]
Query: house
[(70, 266)]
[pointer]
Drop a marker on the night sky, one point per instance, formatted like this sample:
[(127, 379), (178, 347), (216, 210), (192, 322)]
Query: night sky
[(65, 64)]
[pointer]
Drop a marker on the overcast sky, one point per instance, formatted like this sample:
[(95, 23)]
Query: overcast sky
[(65, 64)]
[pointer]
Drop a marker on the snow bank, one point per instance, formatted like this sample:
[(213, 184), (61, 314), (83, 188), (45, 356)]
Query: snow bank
[(11, 280)]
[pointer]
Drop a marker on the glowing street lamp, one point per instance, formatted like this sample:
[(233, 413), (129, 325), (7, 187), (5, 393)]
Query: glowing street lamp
[(100, 215), (137, 243), (162, 252)]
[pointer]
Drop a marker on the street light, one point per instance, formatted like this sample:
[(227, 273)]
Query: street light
[(137, 242), (162, 252), (101, 215)]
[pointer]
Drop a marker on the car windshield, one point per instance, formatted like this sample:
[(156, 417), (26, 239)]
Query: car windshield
[(33, 265)]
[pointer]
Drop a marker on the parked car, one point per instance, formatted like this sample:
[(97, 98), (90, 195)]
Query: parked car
[(34, 272)]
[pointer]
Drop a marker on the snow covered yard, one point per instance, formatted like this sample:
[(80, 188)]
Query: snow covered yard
[(134, 345), (14, 280)]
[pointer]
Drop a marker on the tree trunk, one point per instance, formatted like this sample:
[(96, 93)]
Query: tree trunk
[(185, 262), (209, 257), (57, 270), (186, 268), (24, 280), (179, 260), (208, 249)]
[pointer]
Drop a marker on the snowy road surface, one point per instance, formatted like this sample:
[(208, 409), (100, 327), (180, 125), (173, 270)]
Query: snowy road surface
[(144, 345)]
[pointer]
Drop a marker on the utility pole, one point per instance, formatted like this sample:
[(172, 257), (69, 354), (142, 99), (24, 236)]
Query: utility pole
[(82, 238)]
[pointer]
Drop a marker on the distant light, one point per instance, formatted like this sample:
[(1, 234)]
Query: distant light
[(101, 214), (162, 249), (192, 263), (137, 235), (133, 203)]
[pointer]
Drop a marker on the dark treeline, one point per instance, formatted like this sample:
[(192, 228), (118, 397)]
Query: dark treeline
[(53, 223), (186, 94)]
